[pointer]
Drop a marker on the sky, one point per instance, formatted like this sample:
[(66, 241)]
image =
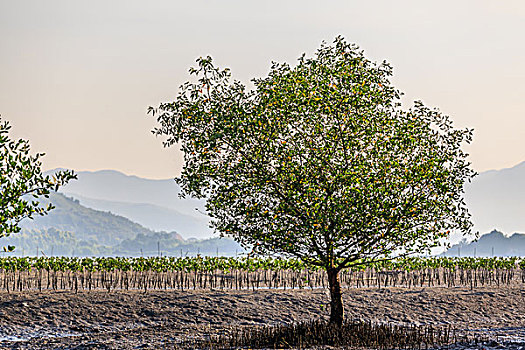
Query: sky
[(77, 77)]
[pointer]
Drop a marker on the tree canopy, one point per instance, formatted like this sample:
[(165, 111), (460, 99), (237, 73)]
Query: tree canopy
[(319, 161), (22, 182)]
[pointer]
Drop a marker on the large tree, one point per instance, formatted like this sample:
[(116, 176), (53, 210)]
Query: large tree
[(319, 161), (22, 182)]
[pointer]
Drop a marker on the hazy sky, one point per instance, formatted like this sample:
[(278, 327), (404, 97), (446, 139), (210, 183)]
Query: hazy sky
[(76, 77)]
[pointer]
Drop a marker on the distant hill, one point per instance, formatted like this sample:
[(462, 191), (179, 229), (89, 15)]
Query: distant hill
[(494, 243), (115, 186), (151, 216), (74, 230), (53, 242), (87, 224), (152, 203), (496, 200)]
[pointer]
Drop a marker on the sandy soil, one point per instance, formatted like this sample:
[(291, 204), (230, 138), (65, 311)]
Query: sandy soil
[(161, 319)]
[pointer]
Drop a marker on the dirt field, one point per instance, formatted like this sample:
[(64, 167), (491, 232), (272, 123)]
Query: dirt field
[(161, 319)]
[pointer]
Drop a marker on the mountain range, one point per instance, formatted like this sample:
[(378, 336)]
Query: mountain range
[(88, 224), (144, 207), (72, 229), (491, 244), (152, 216), (155, 204), (496, 200)]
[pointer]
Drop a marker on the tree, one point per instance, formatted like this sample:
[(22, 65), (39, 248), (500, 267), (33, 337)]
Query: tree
[(22, 182), (319, 161)]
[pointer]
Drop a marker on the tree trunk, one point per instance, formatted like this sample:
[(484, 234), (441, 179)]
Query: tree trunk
[(337, 312)]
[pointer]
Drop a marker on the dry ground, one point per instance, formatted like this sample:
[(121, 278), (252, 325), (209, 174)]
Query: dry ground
[(161, 319)]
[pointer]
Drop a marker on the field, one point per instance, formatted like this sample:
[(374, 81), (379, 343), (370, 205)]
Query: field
[(50, 307), (63, 273)]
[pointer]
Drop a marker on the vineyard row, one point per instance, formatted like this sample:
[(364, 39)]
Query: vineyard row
[(63, 273)]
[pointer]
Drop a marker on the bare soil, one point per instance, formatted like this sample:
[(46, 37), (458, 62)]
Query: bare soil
[(163, 319)]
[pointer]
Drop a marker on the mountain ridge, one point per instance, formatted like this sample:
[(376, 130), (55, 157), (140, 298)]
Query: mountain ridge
[(151, 216), (495, 199), (74, 230), (87, 223), (494, 243), (118, 188)]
